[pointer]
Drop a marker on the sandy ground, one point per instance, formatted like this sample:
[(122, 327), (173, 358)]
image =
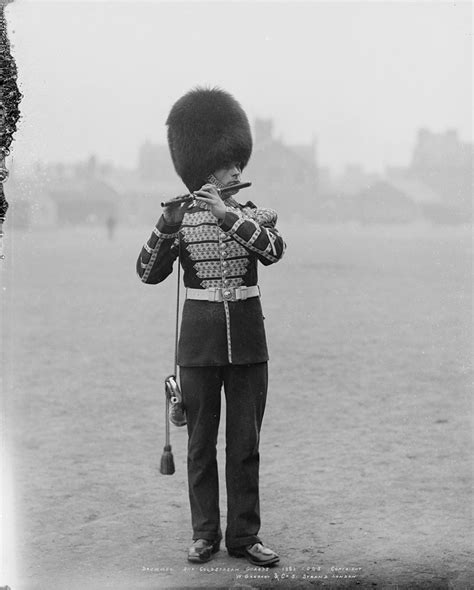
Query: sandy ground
[(366, 446)]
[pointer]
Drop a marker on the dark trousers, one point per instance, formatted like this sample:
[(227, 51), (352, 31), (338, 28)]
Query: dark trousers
[(245, 388)]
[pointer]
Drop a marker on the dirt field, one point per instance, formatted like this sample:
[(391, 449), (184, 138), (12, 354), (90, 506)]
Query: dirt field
[(366, 445)]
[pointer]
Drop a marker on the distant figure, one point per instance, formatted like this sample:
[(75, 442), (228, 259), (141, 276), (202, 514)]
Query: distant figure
[(111, 224)]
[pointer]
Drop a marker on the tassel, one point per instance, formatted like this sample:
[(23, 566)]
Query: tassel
[(167, 461)]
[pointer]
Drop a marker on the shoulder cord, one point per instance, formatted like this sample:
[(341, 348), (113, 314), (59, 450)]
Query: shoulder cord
[(167, 399), (177, 310)]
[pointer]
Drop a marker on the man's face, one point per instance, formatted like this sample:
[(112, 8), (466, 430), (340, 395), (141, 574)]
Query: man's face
[(229, 175)]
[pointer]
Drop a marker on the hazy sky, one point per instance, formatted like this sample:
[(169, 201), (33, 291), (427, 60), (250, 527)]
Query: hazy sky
[(359, 77)]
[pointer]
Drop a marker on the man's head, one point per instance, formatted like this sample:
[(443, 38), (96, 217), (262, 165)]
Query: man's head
[(208, 131), (228, 174)]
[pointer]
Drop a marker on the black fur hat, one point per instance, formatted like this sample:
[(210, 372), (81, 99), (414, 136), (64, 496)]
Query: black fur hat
[(207, 129)]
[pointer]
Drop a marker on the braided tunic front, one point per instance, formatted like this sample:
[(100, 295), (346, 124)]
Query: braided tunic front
[(221, 255)]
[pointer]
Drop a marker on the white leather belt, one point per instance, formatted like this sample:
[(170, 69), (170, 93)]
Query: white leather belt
[(216, 294)]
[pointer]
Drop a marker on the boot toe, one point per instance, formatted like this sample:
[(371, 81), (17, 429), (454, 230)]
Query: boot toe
[(202, 550), (256, 554)]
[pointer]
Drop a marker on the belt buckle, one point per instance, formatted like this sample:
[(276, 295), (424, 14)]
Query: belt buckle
[(234, 293)]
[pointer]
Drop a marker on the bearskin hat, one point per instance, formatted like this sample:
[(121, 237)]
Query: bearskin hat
[(207, 130)]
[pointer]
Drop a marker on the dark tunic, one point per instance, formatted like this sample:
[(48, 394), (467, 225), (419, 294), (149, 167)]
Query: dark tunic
[(216, 255)]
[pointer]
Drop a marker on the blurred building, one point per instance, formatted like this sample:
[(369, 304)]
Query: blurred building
[(445, 164), (84, 201), (338, 201), (383, 202), (284, 177), (352, 181), (141, 196), (30, 204), (82, 194), (436, 185), (58, 194), (155, 164)]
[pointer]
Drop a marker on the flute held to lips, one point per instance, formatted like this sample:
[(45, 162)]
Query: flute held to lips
[(222, 191)]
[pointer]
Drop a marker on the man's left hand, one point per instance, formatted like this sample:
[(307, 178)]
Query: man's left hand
[(208, 196)]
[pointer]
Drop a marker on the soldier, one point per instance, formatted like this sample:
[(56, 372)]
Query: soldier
[(222, 339)]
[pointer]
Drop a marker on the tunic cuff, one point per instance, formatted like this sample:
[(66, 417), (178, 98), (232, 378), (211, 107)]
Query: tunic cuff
[(229, 220), (167, 228)]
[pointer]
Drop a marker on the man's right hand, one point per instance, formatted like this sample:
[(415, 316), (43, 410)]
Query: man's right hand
[(173, 214)]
